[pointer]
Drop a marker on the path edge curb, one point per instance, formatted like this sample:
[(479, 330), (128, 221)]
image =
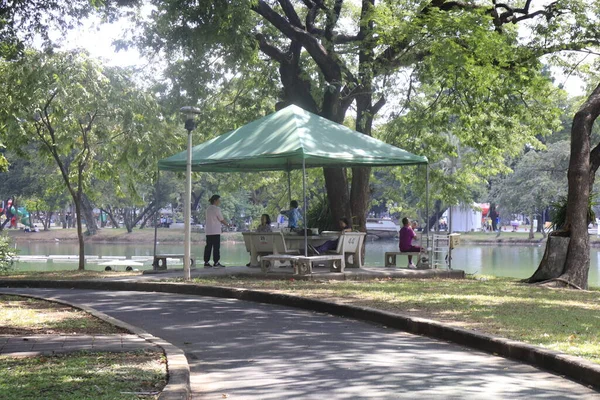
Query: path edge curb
[(178, 370), (572, 367)]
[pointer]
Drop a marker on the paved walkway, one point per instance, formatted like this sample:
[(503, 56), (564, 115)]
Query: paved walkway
[(35, 345), (257, 351)]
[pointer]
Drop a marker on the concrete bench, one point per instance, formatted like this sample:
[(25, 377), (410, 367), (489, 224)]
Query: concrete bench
[(160, 260), (304, 265), (390, 257), (267, 262)]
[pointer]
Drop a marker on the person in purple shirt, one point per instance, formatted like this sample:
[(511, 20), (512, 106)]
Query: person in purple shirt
[(406, 237)]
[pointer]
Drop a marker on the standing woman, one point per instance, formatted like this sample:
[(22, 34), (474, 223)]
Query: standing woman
[(214, 220)]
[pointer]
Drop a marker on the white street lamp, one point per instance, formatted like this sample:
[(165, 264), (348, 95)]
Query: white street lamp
[(190, 124)]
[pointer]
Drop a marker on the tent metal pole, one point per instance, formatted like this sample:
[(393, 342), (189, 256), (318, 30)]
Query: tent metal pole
[(154, 263), (427, 202), (304, 207), (187, 256), (289, 178)]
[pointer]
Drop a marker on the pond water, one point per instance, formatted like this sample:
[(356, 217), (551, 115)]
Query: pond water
[(511, 261)]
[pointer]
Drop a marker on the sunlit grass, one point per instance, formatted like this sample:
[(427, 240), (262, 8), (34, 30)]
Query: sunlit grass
[(99, 376), (564, 320), (26, 316)]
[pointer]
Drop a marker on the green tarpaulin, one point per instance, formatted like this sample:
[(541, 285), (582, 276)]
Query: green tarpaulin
[(281, 141)]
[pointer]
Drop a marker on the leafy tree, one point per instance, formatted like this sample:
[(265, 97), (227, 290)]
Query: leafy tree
[(23, 20), (543, 173), (91, 121), (583, 164), (333, 54)]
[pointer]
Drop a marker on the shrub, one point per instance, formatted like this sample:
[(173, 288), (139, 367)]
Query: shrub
[(7, 254)]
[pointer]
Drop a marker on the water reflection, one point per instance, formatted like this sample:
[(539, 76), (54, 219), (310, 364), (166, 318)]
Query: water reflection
[(512, 261)]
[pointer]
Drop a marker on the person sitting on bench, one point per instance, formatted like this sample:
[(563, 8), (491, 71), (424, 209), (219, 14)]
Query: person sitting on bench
[(331, 244), (406, 237)]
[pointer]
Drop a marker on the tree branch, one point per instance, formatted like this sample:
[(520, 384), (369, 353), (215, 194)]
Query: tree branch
[(290, 13), (273, 52), (328, 66)]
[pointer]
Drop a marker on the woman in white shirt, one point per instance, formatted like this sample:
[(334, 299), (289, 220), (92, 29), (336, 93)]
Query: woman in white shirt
[(214, 220)]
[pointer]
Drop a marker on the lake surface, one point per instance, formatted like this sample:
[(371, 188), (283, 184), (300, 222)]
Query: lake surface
[(511, 261)]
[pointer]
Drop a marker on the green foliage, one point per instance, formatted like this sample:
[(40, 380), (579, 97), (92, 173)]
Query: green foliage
[(23, 21), (539, 179), (7, 254), (319, 215), (559, 212)]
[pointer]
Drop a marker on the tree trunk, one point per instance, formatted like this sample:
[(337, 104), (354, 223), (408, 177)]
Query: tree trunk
[(583, 164), (531, 234), (128, 219), (88, 213), (336, 183), (113, 221), (78, 211), (46, 221)]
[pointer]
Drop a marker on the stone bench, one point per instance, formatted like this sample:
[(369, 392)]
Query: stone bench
[(267, 262), (390, 257), (160, 260), (304, 265)]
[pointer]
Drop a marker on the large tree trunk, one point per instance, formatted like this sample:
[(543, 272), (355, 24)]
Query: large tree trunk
[(583, 165), (88, 213)]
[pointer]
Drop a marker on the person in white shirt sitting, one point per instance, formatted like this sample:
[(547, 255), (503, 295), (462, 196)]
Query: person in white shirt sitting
[(214, 220)]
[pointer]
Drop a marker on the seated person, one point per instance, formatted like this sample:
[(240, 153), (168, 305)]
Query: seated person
[(293, 215), (406, 237), (331, 244), (264, 227), (265, 224)]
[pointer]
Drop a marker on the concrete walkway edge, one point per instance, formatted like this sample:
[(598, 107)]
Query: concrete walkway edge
[(570, 366), (178, 370)]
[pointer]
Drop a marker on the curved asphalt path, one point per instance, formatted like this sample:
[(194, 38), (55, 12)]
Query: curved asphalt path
[(256, 351)]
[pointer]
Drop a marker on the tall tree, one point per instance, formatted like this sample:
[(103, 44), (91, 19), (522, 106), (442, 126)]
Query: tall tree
[(333, 54), (81, 115), (573, 269)]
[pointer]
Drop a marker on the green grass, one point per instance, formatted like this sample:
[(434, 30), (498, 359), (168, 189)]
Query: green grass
[(79, 376), (563, 320), (26, 316)]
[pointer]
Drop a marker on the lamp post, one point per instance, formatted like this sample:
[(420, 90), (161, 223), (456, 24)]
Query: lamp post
[(190, 124)]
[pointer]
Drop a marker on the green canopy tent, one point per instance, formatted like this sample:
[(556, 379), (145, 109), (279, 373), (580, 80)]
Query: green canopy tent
[(290, 139)]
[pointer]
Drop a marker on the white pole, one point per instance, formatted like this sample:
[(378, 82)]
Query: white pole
[(188, 210), (304, 206)]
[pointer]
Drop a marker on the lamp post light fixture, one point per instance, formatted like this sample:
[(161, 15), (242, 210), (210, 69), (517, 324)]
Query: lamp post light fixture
[(190, 124)]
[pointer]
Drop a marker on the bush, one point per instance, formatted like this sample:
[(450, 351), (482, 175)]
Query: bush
[(7, 254), (319, 215)]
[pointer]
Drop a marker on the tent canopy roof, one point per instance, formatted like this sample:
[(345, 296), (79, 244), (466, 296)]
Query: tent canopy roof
[(281, 141)]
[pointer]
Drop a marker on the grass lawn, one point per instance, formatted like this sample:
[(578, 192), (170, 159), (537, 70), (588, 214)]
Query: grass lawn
[(67, 274), (563, 320), (79, 376), (26, 316)]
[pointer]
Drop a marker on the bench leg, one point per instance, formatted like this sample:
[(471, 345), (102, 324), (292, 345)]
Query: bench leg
[(352, 260), (337, 265), (265, 265), (390, 260), (303, 267)]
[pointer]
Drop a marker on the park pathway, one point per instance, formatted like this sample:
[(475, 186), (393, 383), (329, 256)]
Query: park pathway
[(243, 350)]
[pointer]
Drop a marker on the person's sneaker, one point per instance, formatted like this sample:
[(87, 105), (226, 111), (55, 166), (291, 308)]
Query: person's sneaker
[(412, 266), (207, 265), (218, 265)]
